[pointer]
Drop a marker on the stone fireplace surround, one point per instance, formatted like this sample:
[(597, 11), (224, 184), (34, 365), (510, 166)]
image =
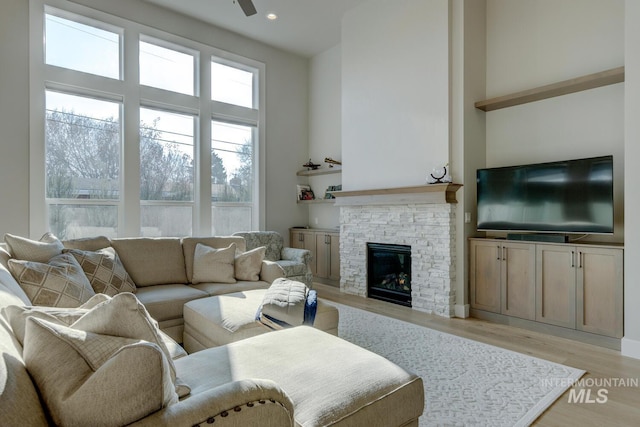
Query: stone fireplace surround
[(422, 217)]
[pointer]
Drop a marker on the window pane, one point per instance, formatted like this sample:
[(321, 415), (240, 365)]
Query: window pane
[(166, 155), (82, 144), (165, 221), (227, 219), (166, 68), (81, 47), (231, 85), (231, 162), (76, 221)]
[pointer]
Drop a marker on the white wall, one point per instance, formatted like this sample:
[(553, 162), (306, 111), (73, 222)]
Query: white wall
[(395, 92), (14, 116), (325, 130), (286, 103), (631, 340), (531, 43)]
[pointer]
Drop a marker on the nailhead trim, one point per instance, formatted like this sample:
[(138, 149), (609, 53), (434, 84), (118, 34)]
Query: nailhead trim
[(224, 414)]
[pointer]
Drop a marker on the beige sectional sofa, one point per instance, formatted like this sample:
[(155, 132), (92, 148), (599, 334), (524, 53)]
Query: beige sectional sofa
[(162, 269), (293, 377)]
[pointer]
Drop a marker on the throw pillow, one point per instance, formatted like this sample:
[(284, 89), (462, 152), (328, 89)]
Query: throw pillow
[(34, 250), (214, 265), (248, 264), (17, 315), (86, 378), (104, 270), (58, 283), (125, 316)]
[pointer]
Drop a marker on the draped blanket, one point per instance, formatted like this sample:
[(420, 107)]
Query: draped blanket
[(287, 303)]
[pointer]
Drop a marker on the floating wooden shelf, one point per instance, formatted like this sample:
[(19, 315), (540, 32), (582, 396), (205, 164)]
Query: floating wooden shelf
[(591, 81), (314, 201), (326, 171), (431, 193)]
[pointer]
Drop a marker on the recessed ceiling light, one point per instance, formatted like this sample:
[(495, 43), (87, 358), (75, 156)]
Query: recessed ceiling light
[(271, 16)]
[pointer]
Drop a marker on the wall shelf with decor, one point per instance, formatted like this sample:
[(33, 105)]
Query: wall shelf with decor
[(319, 198), (578, 84), (315, 172), (315, 201)]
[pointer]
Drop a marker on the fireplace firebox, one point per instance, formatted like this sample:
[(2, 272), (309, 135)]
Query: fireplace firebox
[(389, 273)]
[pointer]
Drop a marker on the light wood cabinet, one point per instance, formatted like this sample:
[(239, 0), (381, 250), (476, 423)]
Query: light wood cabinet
[(572, 286), (502, 277), (328, 256), (556, 285), (324, 246), (599, 291)]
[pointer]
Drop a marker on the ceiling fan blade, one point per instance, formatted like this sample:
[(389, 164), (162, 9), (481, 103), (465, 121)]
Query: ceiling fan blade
[(247, 7)]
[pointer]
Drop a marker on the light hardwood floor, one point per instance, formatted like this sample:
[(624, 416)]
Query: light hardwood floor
[(622, 407)]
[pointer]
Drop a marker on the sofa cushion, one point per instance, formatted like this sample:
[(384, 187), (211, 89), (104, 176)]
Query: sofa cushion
[(104, 270), (247, 265), (34, 250), (189, 248), (330, 380), (212, 289), (152, 261), (58, 283), (97, 379), (165, 302), (213, 265), (88, 243)]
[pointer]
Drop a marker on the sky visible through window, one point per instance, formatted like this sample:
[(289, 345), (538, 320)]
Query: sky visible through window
[(87, 48)]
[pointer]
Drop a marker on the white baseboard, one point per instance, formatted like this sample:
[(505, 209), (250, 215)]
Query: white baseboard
[(630, 348), (461, 310)]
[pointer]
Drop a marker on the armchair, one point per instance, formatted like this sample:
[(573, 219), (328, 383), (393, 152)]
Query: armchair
[(295, 262)]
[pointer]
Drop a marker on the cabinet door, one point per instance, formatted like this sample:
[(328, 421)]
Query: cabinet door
[(518, 284), (334, 256), (599, 291), (322, 257), (484, 275), (556, 285)]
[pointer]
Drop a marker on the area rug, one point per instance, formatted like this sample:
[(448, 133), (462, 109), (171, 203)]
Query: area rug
[(466, 383)]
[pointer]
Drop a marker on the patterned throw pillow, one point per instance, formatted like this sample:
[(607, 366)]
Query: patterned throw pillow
[(248, 264), (34, 250), (58, 283), (104, 270), (214, 265)]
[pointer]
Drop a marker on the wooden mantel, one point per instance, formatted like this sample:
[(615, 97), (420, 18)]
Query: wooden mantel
[(431, 193)]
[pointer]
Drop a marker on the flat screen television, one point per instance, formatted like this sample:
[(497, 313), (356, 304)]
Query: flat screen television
[(565, 197)]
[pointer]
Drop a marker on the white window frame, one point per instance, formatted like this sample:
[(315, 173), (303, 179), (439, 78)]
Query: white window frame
[(133, 95)]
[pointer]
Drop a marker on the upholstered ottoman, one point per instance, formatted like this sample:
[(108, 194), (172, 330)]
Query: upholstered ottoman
[(222, 319)]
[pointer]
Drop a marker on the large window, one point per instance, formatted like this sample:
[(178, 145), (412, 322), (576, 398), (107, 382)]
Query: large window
[(137, 136), (232, 177), (166, 173), (82, 164)]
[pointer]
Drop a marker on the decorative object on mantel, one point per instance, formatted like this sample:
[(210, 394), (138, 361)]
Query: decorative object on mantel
[(332, 162), (439, 175), (311, 166)]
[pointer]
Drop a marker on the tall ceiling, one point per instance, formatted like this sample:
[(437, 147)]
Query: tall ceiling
[(304, 27)]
